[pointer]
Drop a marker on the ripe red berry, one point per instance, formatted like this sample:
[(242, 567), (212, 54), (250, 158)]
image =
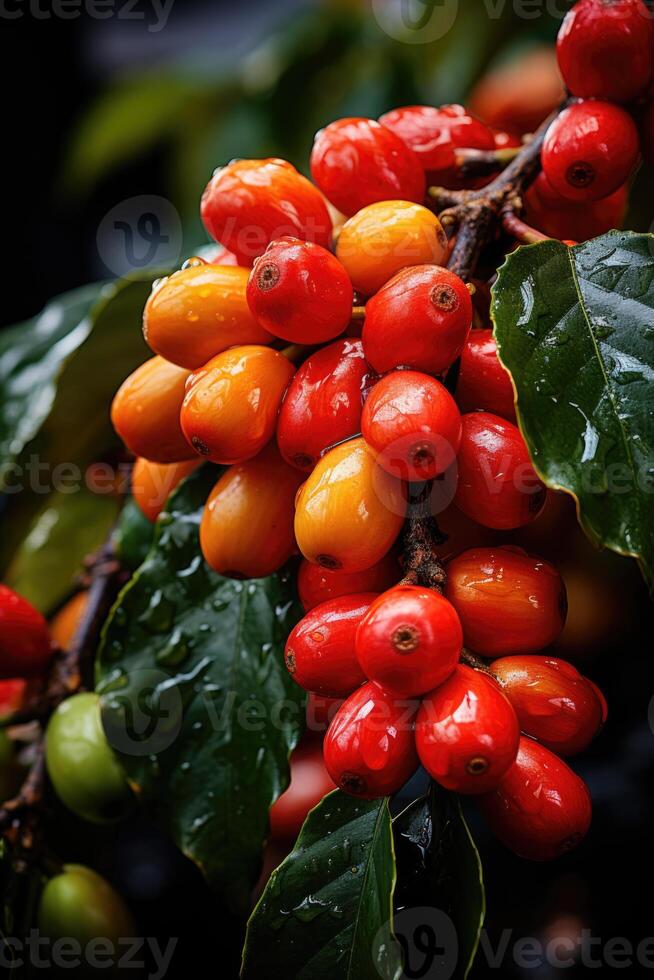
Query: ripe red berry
[(249, 203), (605, 49), (310, 781), (541, 809), (420, 319), (300, 292), (320, 654), (497, 485), (507, 601), (553, 702), (370, 746), (589, 150), (356, 162), (409, 641), (467, 732), (316, 584), (323, 403), (484, 383), (413, 424), (25, 647), (578, 220)]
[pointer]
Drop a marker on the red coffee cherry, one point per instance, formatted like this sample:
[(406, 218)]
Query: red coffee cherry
[(310, 781), (497, 485), (300, 292), (413, 424), (25, 647), (317, 584), (370, 746), (507, 601), (319, 713), (320, 654), (484, 383), (249, 203), (323, 403), (356, 162), (605, 49), (420, 319), (409, 641), (589, 150), (553, 702), (467, 732), (578, 220), (541, 809)]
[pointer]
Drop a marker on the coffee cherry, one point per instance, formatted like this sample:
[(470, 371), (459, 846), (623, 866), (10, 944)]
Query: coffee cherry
[(316, 584), (65, 622), (505, 140), (13, 695), (25, 647), (409, 641), (385, 237), (578, 220), (231, 404), (319, 713), (356, 162), (199, 312), (553, 702), (541, 808), (145, 412), (521, 91), (483, 382), (153, 483), (247, 524), (370, 746), (78, 905), (589, 150), (413, 424), (497, 485), (323, 403), (435, 133), (420, 319), (249, 203), (320, 654), (300, 292), (309, 782), (507, 600), (350, 511), (605, 49), (467, 732)]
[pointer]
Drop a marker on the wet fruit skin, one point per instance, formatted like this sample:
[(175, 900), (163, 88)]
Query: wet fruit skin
[(541, 809), (554, 703), (80, 904), (467, 732), (497, 485), (483, 382), (508, 601), (246, 529), (413, 424), (590, 150), (579, 220), (320, 651), (12, 695), (323, 403), (369, 748), (409, 640), (606, 50), (350, 511), (84, 771), (249, 203), (199, 312), (25, 646), (300, 292), (153, 483), (316, 584), (420, 319), (356, 162), (145, 412), (383, 238), (64, 623), (231, 404), (310, 781)]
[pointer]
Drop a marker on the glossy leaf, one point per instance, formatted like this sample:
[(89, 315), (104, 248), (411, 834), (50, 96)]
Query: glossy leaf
[(132, 537)]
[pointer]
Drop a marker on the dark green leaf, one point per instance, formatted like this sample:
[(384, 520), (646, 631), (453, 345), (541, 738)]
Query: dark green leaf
[(197, 700), (133, 536), (575, 327), (326, 912)]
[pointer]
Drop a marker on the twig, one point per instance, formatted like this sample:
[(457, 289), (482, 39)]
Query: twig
[(483, 163)]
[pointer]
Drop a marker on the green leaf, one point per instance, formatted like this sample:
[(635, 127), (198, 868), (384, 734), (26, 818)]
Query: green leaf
[(575, 327), (326, 912), (439, 883), (196, 698), (132, 538)]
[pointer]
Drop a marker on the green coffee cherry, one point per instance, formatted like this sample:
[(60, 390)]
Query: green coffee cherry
[(80, 904)]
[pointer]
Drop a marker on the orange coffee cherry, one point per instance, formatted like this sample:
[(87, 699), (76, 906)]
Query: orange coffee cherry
[(350, 511), (153, 483), (64, 623), (231, 404), (145, 412)]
